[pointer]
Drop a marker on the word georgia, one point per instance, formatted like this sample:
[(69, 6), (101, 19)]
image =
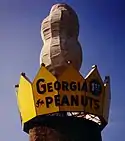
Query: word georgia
[(43, 87)]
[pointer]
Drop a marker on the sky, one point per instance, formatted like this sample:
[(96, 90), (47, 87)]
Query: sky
[(102, 37)]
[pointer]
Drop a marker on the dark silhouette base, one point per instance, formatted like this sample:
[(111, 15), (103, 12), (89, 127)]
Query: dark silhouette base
[(54, 128)]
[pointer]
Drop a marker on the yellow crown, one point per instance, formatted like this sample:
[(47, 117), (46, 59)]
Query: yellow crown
[(81, 97)]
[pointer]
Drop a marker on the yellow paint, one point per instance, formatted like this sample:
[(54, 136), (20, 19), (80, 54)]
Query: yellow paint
[(28, 94), (69, 75), (94, 74), (43, 73), (25, 100)]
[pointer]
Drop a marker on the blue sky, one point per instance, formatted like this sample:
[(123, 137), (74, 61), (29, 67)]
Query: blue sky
[(102, 36)]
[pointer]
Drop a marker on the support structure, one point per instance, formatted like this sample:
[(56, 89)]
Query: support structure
[(68, 130), (60, 104)]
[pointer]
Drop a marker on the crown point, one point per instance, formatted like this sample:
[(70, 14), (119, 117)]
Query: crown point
[(94, 66), (43, 64), (68, 61), (17, 85), (23, 74), (107, 79)]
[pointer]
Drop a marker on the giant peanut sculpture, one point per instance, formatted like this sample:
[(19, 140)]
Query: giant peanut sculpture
[(59, 33), (60, 104)]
